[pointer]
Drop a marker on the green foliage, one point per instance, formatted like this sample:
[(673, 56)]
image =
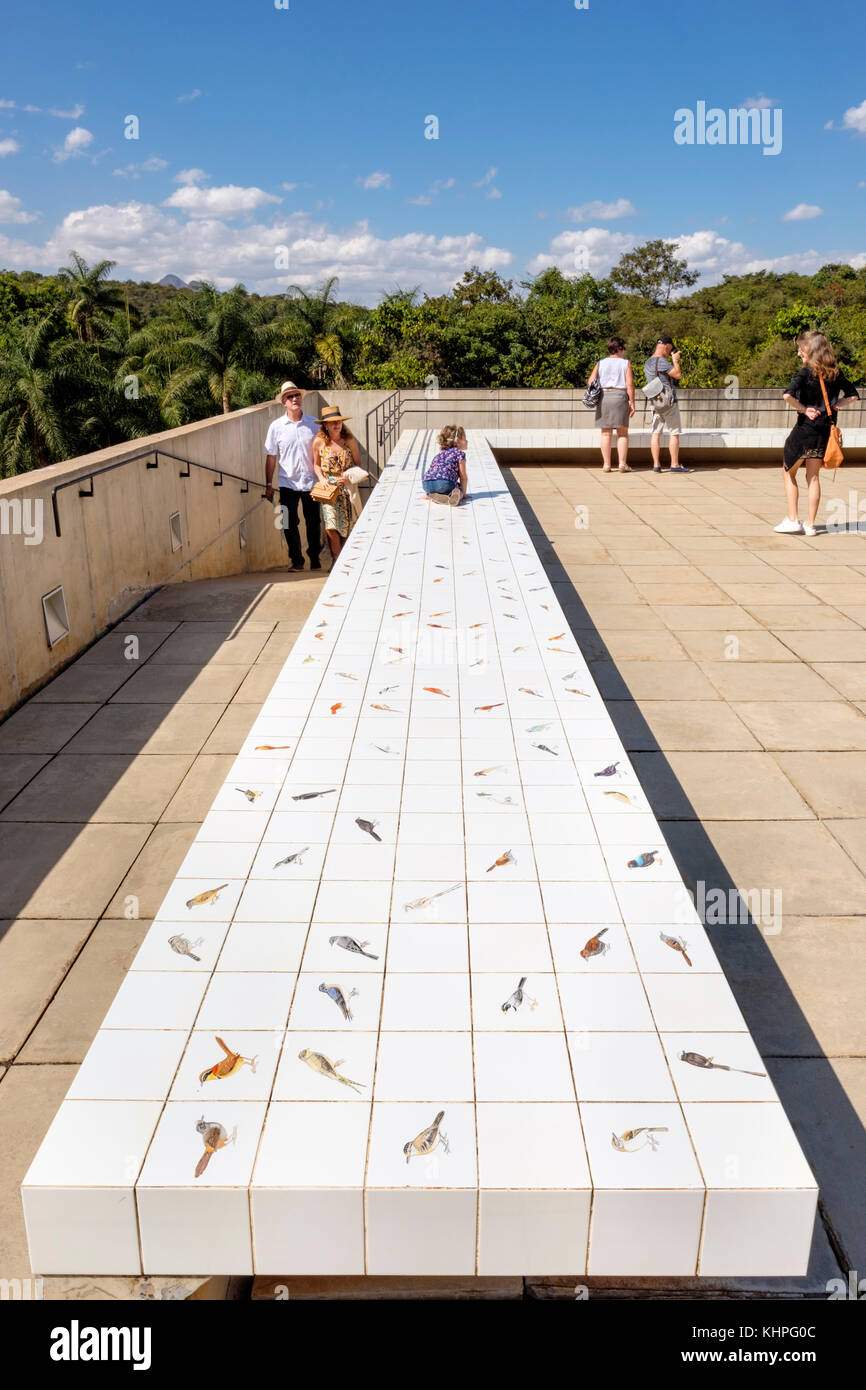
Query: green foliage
[(86, 361), (653, 272)]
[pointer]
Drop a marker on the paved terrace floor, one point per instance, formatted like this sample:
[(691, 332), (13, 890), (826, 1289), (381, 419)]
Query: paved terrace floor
[(753, 755)]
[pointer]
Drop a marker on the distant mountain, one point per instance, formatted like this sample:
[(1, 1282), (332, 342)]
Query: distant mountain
[(173, 282)]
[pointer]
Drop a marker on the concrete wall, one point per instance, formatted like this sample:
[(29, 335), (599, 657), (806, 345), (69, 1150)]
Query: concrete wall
[(116, 546)]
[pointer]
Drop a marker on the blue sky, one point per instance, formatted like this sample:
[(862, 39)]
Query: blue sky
[(270, 136)]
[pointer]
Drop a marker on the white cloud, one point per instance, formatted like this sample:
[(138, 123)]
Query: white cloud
[(77, 142), (228, 201), (759, 103), (595, 249), (8, 146), (152, 165), (11, 209), (288, 187), (803, 212), (191, 176), (149, 241), (190, 96), (73, 115), (603, 212), (488, 178), (493, 193), (438, 186), (855, 118), (378, 179)]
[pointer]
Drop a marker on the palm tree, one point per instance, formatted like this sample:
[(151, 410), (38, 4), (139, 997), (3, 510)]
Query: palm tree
[(208, 345), (328, 331), (45, 383), (90, 298)]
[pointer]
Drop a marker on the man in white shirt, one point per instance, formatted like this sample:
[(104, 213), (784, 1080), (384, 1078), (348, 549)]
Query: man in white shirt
[(289, 443)]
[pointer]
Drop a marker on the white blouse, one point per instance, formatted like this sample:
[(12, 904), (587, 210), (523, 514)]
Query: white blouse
[(612, 373)]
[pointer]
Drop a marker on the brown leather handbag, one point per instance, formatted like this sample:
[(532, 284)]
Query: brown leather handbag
[(325, 492), (833, 455)]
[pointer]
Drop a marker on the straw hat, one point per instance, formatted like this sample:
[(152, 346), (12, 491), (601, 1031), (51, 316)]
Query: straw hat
[(330, 415), (290, 386)]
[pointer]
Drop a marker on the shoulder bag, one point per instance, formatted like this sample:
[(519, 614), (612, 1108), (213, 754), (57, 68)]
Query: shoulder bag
[(833, 455), (593, 393), (660, 394)]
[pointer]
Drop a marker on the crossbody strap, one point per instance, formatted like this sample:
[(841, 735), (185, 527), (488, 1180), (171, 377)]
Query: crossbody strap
[(824, 394)]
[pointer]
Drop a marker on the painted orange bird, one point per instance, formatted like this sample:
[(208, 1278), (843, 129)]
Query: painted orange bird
[(338, 705), (407, 614), (271, 747), (558, 638), (443, 626), (227, 1066), (487, 707), (434, 690), (318, 636), (386, 708)]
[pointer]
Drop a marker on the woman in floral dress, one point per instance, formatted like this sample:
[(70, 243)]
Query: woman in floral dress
[(335, 449)]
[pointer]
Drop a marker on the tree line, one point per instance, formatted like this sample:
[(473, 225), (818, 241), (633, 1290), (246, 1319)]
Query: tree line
[(87, 361)]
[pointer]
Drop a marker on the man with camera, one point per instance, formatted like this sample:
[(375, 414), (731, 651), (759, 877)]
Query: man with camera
[(662, 370)]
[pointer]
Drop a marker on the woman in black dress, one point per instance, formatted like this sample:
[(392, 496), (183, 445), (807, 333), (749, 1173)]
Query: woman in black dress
[(808, 439)]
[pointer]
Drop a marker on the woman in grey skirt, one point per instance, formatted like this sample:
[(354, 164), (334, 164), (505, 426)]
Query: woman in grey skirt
[(616, 406)]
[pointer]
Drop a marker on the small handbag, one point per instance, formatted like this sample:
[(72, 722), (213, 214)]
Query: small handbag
[(833, 455), (325, 492), (593, 394)]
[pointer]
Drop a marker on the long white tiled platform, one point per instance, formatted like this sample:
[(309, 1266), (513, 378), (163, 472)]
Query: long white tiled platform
[(429, 776)]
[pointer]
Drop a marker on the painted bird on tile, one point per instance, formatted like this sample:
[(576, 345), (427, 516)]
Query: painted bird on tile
[(595, 946), (518, 997), (697, 1059), (214, 1137), (210, 895), (317, 1061), (184, 947), (425, 1142), (368, 827), (296, 858), (643, 861), (349, 943), (633, 1139), (248, 793), (340, 999), (609, 771), (676, 943), (227, 1065)]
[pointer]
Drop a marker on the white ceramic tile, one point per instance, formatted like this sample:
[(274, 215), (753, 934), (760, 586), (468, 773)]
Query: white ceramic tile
[(326, 1066), (515, 1003), (580, 902), (269, 900), (263, 946), (313, 1007), (246, 1000), (619, 1066), (206, 859), (592, 948), (509, 946), (426, 1002), (428, 946), (653, 1232), (180, 905), (747, 1145), (132, 1065), (738, 1071), (682, 1002), (757, 1233), (339, 901), (522, 1067), (179, 946), (410, 1068), (448, 1162), (426, 1232), (611, 1003), (156, 999), (428, 900), (241, 1069), (521, 1230)]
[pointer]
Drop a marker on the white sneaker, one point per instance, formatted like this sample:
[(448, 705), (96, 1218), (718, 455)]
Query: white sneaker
[(810, 530), (789, 527)]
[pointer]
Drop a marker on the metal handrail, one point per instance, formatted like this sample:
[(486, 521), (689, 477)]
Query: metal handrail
[(390, 410), (135, 458)]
